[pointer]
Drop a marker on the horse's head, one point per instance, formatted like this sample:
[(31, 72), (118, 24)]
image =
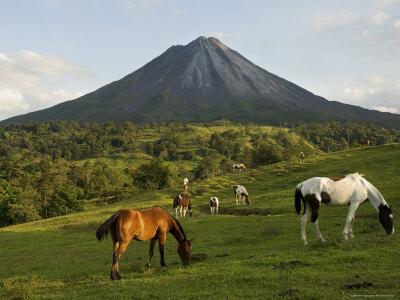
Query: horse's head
[(177, 201), (247, 199), (386, 218), (185, 251)]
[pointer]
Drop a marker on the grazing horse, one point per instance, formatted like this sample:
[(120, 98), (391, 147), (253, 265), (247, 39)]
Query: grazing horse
[(241, 193), (213, 203), (183, 203), (147, 224), (239, 168), (185, 184), (352, 190)]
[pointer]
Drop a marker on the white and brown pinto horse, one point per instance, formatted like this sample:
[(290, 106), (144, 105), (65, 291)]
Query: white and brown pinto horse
[(213, 203), (351, 190), (239, 167), (182, 203), (147, 224), (241, 193)]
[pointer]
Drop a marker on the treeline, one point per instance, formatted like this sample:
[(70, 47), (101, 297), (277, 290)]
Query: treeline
[(334, 136)]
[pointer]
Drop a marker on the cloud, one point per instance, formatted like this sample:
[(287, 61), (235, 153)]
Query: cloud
[(373, 92), (11, 100), (392, 110), (31, 81), (396, 24), (380, 18)]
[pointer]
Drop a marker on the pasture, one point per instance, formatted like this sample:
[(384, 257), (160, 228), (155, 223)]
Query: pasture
[(250, 251)]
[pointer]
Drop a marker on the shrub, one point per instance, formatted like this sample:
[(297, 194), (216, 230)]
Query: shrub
[(153, 175)]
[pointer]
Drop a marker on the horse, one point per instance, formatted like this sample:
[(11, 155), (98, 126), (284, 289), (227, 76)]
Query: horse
[(213, 203), (152, 224), (241, 193), (182, 202), (185, 184), (302, 156), (239, 167), (351, 190)]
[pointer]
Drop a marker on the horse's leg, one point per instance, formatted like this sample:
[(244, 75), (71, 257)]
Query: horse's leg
[(319, 235), (349, 219), (181, 211), (351, 235), (184, 212), (216, 209), (117, 256), (176, 212), (161, 243), (113, 274), (236, 199), (304, 219), (151, 252)]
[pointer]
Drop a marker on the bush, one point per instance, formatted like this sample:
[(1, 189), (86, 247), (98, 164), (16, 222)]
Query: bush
[(154, 175)]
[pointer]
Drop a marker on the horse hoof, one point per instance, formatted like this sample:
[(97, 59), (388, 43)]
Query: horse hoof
[(305, 243)]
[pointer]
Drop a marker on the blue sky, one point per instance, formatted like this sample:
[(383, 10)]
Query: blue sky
[(57, 50)]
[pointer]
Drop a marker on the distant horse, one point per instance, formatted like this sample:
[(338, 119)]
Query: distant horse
[(185, 184), (213, 203), (239, 168), (302, 156), (148, 224), (183, 204), (352, 190), (241, 193)]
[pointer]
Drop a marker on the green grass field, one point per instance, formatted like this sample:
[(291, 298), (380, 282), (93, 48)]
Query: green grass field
[(240, 253)]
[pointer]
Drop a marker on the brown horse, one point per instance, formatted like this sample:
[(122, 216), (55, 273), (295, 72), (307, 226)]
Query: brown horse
[(182, 203), (148, 224)]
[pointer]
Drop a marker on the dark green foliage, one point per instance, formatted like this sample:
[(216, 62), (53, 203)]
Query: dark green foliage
[(229, 143), (166, 147), (208, 167), (153, 175), (64, 200), (334, 136)]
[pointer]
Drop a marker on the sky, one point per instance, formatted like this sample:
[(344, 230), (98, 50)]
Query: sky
[(57, 50)]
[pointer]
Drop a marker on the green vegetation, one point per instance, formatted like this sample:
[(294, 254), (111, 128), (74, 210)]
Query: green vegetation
[(240, 253), (55, 168)]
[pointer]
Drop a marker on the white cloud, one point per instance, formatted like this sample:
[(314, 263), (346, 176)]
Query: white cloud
[(11, 100), (396, 24), (380, 18), (392, 110), (374, 92), (31, 81)]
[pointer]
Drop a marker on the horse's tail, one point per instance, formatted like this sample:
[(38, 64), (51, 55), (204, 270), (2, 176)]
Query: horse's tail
[(105, 228), (298, 198)]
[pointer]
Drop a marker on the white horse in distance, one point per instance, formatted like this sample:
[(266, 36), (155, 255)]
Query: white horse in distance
[(213, 203), (241, 193)]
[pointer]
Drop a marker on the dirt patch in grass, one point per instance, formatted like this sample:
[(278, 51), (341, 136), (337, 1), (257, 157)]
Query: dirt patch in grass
[(222, 255), (358, 285), (293, 264), (239, 211)]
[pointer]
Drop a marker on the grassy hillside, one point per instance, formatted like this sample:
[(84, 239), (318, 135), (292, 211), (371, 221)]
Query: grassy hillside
[(235, 254)]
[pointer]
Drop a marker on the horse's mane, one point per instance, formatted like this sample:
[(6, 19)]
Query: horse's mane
[(180, 227), (355, 175)]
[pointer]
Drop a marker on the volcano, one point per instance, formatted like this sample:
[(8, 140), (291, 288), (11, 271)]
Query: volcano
[(204, 81)]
